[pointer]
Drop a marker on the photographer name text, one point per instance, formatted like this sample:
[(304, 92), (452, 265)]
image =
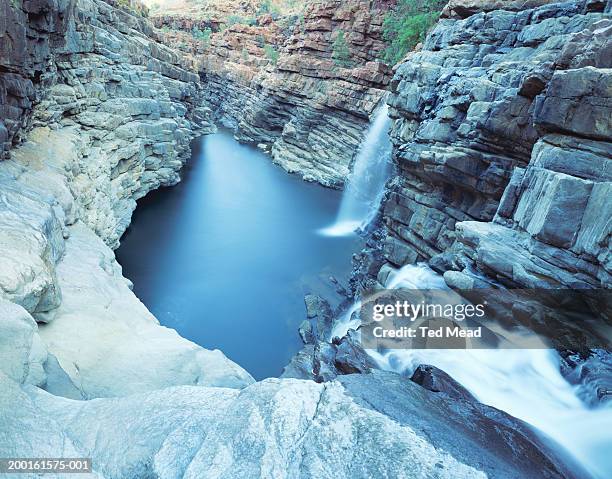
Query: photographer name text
[(427, 332)]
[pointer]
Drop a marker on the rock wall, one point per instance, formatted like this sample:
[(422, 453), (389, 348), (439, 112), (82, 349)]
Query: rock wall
[(502, 133), (25, 52), (276, 83), (112, 121)]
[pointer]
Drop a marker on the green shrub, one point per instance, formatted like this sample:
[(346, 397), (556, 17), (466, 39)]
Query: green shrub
[(271, 53), (340, 51), (266, 6), (406, 25), (202, 35), (237, 19)]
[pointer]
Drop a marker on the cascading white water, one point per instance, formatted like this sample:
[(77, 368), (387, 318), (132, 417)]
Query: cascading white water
[(525, 383), (365, 185)]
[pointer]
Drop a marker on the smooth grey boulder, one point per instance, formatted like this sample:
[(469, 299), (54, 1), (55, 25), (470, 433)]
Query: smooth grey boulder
[(436, 380), (22, 352), (31, 242), (360, 426), (475, 434)]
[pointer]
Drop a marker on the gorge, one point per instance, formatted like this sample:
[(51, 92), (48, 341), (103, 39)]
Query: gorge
[(495, 174), (227, 256)]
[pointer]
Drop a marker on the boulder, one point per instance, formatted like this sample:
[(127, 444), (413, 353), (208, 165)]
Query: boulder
[(31, 242), (362, 426), (436, 380), (22, 353)]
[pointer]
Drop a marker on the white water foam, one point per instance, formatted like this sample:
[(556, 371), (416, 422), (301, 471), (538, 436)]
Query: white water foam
[(365, 185), (525, 383)]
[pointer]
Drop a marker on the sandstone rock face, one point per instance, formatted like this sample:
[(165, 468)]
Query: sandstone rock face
[(277, 83), (502, 138), (358, 427)]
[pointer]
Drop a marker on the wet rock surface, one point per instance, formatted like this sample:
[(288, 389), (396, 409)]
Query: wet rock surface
[(592, 373), (436, 380)]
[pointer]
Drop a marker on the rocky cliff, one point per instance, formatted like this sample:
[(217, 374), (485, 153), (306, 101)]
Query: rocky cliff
[(105, 114), (25, 50), (502, 144), (502, 130), (282, 81)]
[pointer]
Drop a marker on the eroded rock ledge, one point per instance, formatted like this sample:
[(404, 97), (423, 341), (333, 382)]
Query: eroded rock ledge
[(310, 110), (502, 130), (355, 427), (112, 121)]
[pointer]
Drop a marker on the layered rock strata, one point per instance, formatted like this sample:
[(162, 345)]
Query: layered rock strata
[(25, 51), (113, 121), (502, 131), (280, 83)]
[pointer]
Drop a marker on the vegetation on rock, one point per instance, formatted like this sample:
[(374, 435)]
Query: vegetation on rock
[(341, 53), (133, 6), (202, 35), (267, 7), (406, 25), (271, 53)]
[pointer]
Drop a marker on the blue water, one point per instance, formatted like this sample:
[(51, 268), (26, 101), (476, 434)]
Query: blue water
[(226, 256)]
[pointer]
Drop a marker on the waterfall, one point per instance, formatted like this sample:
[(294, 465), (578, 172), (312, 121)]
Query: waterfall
[(524, 383), (365, 185)]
